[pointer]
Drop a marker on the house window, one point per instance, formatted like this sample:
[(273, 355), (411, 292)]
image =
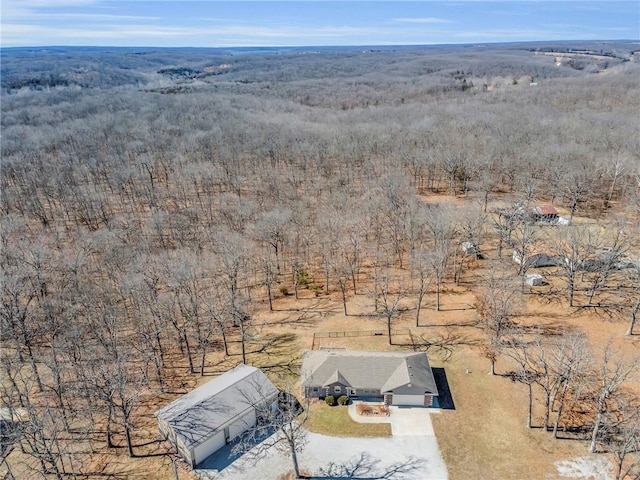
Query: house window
[(351, 392), (314, 389), (337, 389)]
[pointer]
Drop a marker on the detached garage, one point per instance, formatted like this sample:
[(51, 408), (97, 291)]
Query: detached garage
[(206, 419)]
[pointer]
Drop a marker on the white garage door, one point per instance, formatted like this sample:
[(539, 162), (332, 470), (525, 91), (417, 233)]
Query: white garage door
[(238, 428), (205, 449), (408, 399)]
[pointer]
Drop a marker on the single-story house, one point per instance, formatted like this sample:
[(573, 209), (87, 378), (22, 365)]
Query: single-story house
[(214, 414), (544, 214), (537, 260), (398, 378)]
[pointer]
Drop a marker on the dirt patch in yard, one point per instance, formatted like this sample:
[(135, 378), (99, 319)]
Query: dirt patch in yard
[(368, 410)]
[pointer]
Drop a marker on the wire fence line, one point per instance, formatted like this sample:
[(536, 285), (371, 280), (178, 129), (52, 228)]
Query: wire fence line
[(317, 336)]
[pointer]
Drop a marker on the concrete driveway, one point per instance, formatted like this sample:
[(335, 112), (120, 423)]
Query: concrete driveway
[(404, 421), (410, 454), (410, 421)]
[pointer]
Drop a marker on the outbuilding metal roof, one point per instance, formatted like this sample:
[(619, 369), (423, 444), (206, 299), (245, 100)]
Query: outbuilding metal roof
[(544, 210), (199, 414)]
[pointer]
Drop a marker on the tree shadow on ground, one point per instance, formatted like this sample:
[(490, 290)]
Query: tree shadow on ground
[(546, 330), (300, 317), (470, 323), (457, 308), (316, 306), (365, 467), (108, 471), (276, 355), (274, 344), (443, 344), (444, 399), (224, 458), (154, 442), (102, 475)]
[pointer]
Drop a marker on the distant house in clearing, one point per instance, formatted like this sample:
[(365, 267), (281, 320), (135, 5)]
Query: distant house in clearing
[(398, 378), (544, 214), (214, 414), (537, 260), (541, 214)]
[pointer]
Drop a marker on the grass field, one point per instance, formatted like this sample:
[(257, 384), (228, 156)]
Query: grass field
[(486, 435)]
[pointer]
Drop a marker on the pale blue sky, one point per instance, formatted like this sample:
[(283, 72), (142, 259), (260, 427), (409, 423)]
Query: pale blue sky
[(213, 23)]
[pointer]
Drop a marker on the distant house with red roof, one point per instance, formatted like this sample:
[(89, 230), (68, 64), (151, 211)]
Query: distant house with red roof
[(544, 214)]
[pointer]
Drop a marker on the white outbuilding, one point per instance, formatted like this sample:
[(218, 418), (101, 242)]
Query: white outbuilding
[(469, 248), (204, 420), (535, 280)]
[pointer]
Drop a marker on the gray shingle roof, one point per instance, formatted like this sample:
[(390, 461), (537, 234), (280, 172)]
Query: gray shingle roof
[(384, 371), (200, 413)]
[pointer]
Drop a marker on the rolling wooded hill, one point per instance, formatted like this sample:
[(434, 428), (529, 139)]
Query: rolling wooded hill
[(156, 202)]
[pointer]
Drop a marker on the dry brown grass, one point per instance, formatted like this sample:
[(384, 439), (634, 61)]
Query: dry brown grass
[(484, 437)]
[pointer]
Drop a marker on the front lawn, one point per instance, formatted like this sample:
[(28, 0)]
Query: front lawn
[(336, 422)]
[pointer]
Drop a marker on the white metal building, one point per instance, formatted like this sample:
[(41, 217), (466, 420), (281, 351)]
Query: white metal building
[(214, 414)]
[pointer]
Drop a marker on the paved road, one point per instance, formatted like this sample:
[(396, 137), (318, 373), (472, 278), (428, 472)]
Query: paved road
[(413, 448)]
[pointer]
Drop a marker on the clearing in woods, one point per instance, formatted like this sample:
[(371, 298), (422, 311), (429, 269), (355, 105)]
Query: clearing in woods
[(482, 433)]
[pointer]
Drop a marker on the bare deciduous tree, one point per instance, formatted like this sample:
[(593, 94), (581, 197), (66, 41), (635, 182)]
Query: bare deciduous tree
[(440, 229), (575, 246), (570, 363), (281, 428), (525, 372), (620, 437), (613, 372), (608, 260), (497, 303), (421, 264), (389, 295), (635, 309), (471, 225), (342, 272), (271, 229), (40, 438)]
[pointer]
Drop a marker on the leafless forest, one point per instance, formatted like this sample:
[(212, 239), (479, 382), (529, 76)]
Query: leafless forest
[(155, 203)]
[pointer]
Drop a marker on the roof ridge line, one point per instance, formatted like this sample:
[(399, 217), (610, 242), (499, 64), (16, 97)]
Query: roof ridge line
[(217, 392), (256, 369)]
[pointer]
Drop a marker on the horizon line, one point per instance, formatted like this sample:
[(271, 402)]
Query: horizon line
[(381, 45)]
